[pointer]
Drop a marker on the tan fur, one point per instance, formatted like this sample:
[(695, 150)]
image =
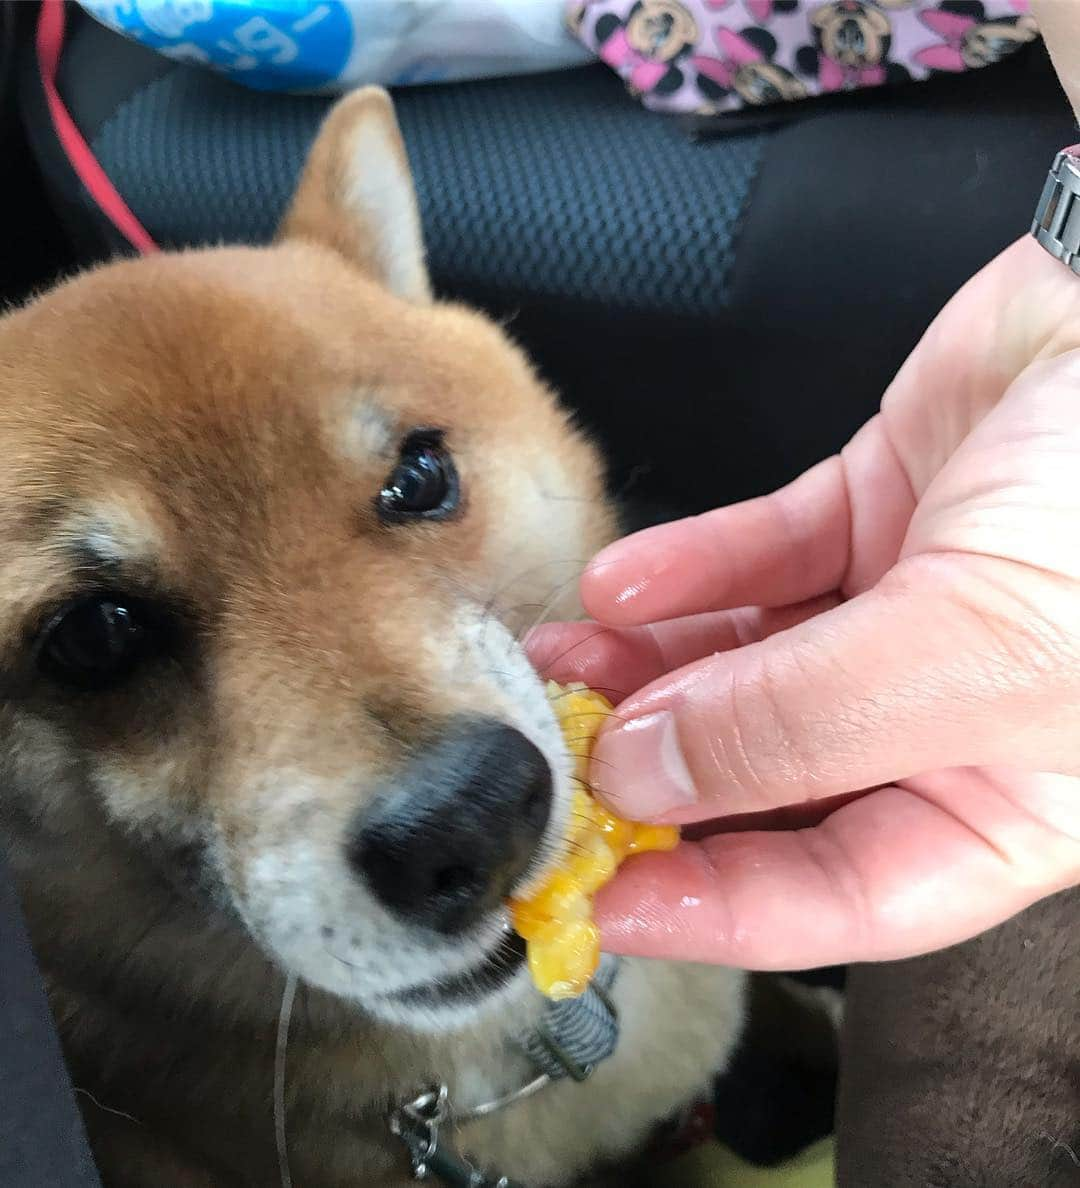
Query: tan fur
[(213, 427)]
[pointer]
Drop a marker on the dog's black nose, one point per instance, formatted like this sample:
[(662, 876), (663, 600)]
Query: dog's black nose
[(448, 844)]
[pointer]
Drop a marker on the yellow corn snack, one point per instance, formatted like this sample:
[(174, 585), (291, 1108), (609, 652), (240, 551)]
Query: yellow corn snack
[(563, 943)]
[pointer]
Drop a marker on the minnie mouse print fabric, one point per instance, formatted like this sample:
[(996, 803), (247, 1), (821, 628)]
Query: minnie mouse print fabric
[(710, 56)]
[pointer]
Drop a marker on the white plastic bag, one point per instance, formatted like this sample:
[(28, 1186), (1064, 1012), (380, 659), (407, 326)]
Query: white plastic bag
[(332, 45)]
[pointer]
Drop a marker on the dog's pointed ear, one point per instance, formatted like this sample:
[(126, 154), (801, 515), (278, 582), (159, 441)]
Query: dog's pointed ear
[(356, 195)]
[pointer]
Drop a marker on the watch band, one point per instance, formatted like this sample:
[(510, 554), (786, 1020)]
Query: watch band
[(1057, 217)]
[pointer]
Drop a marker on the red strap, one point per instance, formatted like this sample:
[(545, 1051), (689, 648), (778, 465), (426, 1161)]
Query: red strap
[(50, 41)]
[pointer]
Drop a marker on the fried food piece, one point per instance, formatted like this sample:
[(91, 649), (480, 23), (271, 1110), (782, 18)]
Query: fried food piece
[(563, 943)]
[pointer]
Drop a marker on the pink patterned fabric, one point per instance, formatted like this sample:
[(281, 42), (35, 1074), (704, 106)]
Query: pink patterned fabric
[(711, 56)]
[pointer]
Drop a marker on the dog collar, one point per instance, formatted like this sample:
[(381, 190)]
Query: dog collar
[(572, 1038), (1057, 217)]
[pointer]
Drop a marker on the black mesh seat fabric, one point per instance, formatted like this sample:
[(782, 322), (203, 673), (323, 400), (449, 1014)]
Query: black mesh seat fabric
[(723, 310), (493, 219)]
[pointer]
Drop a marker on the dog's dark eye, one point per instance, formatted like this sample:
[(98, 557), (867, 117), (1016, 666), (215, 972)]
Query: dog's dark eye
[(424, 482), (98, 642)]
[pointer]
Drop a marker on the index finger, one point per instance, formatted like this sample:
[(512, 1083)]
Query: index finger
[(776, 550), (617, 661)]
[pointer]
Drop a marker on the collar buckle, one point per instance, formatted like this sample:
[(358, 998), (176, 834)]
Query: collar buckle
[(573, 1038), (417, 1124)]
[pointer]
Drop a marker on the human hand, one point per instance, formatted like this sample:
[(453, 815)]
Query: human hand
[(910, 624)]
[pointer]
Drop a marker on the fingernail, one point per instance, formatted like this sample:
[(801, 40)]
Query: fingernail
[(640, 770)]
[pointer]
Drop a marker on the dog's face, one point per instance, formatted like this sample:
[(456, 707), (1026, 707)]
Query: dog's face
[(270, 524)]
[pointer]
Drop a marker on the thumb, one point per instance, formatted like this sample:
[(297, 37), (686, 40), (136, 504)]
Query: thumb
[(939, 665)]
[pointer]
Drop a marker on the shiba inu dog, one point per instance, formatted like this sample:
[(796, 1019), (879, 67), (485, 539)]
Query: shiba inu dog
[(272, 522)]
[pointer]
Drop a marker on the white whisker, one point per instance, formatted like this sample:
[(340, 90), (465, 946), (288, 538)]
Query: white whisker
[(106, 1109), (284, 1017)]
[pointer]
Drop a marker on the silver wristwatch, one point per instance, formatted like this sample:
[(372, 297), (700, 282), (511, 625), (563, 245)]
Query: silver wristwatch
[(1057, 217)]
